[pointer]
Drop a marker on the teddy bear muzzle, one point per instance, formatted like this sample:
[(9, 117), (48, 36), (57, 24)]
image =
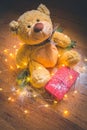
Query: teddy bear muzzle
[(38, 27)]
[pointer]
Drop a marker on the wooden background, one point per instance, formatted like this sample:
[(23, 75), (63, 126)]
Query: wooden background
[(72, 17)]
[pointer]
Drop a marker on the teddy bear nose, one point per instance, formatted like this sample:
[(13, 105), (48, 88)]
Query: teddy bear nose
[(38, 27)]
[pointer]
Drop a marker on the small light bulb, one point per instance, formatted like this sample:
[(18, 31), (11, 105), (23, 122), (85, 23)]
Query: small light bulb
[(63, 65), (16, 50), (70, 77), (25, 64), (11, 55), (85, 59), (18, 66), (66, 36), (55, 102), (46, 105), (6, 51), (14, 46), (58, 55), (12, 100), (26, 111), (28, 79), (84, 68), (11, 67), (6, 60), (21, 44), (75, 92), (1, 89), (39, 67), (34, 95), (66, 112), (65, 96), (9, 98), (18, 91), (52, 74), (23, 93)]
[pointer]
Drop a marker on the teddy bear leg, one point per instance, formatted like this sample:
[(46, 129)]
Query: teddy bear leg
[(69, 58), (22, 57), (39, 74)]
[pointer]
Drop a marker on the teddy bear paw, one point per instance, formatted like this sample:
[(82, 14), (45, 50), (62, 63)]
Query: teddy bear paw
[(69, 58), (39, 78)]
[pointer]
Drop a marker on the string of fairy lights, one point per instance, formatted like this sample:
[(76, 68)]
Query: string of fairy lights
[(21, 94)]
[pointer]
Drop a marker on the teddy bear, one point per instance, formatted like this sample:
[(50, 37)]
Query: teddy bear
[(43, 47)]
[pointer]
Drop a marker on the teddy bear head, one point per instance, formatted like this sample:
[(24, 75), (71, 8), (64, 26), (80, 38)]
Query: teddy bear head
[(33, 27)]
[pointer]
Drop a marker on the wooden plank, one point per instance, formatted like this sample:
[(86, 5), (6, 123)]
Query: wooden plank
[(44, 118), (5, 125)]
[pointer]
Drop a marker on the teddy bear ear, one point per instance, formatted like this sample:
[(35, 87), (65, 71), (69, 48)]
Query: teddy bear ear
[(44, 9), (14, 26)]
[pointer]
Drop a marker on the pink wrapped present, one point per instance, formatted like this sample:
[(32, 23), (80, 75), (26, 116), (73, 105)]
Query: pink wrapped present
[(61, 82)]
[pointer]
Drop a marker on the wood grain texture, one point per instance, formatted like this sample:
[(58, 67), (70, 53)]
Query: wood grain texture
[(12, 115)]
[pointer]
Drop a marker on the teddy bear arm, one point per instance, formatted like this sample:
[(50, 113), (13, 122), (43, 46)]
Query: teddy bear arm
[(61, 39), (22, 57)]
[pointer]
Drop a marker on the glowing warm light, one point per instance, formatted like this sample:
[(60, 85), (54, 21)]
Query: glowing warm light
[(23, 93), (39, 67), (58, 55), (14, 46), (15, 53), (11, 55), (65, 96), (11, 67), (66, 112), (70, 77), (18, 91), (6, 60), (85, 59), (25, 63), (26, 111), (46, 105), (1, 89), (66, 36), (13, 89), (16, 50), (34, 95), (63, 65), (28, 79), (75, 92), (84, 68), (21, 44), (55, 102), (11, 99), (18, 66), (6, 51), (52, 74)]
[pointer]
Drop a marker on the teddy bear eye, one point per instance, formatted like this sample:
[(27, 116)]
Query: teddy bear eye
[(37, 20), (28, 26)]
